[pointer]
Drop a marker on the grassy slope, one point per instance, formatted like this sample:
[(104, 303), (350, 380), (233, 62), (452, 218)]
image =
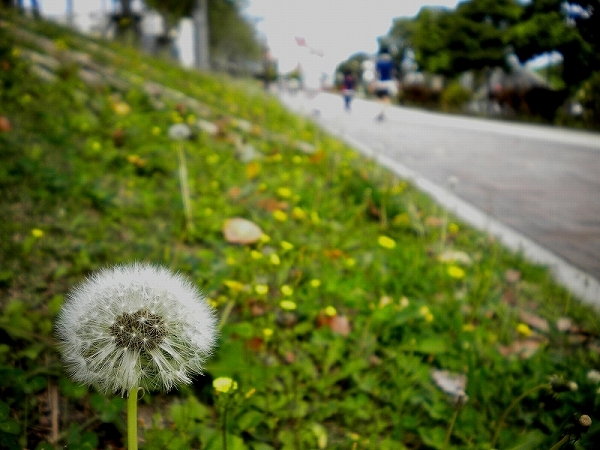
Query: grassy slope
[(102, 188)]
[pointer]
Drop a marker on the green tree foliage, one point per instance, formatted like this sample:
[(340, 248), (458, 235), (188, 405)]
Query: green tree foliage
[(544, 27), (449, 42)]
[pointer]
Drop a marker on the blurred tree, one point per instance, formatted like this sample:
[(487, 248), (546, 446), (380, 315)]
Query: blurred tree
[(571, 28), (231, 36), (449, 42)]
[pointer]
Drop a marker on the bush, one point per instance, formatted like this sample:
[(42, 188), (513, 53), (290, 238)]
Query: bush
[(454, 97)]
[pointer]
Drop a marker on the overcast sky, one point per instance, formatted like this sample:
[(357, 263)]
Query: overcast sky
[(337, 28)]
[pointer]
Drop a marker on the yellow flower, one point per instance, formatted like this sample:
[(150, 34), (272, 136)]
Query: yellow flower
[(261, 289), (424, 310), (452, 228), (330, 311), (37, 233), (468, 327), (386, 242), (274, 259), (234, 285), (288, 305), (297, 159), (286, 245), (250, 393), (524, 330), (429, 317), (315, 282), (404, 302), (255, 254), (456, 272), (298, 213), (314, 217), (121, 108), (284, 192), (279, 215), (264, 238), (287, 290), (224, 385), (190, 119), (267, 333), (212, 159), (350, 262), (231, 261), (155, 131), (96, 145)]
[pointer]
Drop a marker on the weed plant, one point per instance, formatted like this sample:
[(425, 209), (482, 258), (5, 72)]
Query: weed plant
[(333, 322)]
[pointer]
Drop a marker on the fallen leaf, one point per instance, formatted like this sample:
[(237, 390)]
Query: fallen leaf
[(272, 204), (340, 325), (5, 124), (455, 256), (524, 349), (512, 276), (566, 325), (241, 231), (534, 321)]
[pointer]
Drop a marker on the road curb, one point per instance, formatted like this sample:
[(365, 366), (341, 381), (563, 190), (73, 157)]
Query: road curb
[(578, 282)]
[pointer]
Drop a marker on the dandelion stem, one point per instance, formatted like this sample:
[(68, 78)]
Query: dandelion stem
[(561, 442), (510, 407), (132, 441), (450, 428), (185, 190), (228, 307), (224, 426)]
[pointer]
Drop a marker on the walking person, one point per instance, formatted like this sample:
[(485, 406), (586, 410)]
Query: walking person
[(385, 85), (348, 89)]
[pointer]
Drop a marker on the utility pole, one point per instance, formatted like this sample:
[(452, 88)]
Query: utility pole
[(201, 35), (70, 16)]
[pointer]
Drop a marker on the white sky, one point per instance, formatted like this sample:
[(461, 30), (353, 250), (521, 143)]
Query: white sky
[(337, 28)]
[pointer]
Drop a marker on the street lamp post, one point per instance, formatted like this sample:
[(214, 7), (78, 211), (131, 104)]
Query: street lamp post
[(201, 35)]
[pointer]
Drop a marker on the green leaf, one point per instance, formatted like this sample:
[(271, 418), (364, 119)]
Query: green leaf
[(433, 436), (429, 345), (35, 384), (71, 389), (10, 426), (529, 441), (109, 410), (4, 410)]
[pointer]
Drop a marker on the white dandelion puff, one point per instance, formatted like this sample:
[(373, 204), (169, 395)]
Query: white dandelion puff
[(135, 325)]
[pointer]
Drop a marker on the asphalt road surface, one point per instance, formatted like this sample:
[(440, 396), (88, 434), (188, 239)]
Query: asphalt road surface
[(536, 186)]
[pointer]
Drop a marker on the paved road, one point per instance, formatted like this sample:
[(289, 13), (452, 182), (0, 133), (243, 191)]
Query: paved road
[(537, 187)]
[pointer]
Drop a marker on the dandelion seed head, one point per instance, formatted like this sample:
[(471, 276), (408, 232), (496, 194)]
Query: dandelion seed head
[(135, 325)]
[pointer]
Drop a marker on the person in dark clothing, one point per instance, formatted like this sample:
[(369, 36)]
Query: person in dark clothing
[(348, 89), (385, 86)]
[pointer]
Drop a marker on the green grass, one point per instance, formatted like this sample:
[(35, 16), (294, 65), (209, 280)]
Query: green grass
[(89, 178)]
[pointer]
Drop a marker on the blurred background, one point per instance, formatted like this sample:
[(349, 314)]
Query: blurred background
[(530, 60)]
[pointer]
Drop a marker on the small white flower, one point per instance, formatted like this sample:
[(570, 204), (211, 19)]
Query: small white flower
[(179, 132), (135, 325)]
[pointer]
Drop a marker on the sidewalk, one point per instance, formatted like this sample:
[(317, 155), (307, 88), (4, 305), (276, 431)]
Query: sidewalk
[(536, 188)]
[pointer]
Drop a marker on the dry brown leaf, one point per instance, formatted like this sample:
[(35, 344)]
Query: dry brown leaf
[(512, 276), (523, 349), (5, 124), (272, 204), (340, 325), (534, 321), (238, 230)]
